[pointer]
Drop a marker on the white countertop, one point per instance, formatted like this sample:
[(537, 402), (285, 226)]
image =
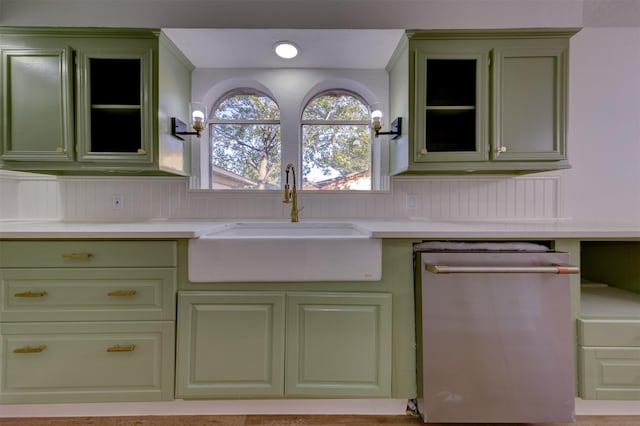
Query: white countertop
[(379, 229)]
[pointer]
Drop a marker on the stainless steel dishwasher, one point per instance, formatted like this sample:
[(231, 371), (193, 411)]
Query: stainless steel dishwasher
[(494, 331)]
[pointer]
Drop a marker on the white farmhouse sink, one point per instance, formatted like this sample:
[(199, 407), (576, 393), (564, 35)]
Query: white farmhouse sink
[(284, 251), (287, 230)]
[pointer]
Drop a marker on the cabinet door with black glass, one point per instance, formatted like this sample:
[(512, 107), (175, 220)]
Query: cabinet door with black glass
[(115, 107), (451, 106)]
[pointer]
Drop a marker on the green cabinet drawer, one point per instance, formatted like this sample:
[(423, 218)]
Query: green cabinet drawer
[(610, 373), (87, 254), (92, 294), (603, 332), (86, 362)]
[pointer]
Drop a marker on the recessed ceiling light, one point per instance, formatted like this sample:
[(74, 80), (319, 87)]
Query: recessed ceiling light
[(286, 49)]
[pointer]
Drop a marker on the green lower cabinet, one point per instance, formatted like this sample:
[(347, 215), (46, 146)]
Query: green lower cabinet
[(338, 345), (86, 362), (609, 358), (230, 344), (87, 321), (610, 373), (273, 344)]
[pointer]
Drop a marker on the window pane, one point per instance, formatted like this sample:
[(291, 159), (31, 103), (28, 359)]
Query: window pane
[(336, 107), (245, 156), (336, 156), (247, 107)]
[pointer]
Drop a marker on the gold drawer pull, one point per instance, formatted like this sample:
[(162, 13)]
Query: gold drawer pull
[(118, 348), (77, 255), (122, 293), (30, 350), (31, 294)]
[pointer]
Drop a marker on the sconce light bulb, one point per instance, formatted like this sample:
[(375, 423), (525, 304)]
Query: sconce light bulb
[(198, 120), (376, 120)]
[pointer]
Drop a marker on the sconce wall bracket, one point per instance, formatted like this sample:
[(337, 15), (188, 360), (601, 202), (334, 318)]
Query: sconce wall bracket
[(179, 127), (395, 129)]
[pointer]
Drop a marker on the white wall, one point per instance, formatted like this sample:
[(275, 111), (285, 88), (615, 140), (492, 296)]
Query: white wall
[(292, 88), (604, 126), (604, 113)]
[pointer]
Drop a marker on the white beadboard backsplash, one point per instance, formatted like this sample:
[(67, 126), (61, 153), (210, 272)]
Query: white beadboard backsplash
[(34, 197)]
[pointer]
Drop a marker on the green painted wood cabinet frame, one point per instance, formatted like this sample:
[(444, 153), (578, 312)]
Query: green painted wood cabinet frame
[(49, 120), (520, 101), (87, 320), (234, 344)]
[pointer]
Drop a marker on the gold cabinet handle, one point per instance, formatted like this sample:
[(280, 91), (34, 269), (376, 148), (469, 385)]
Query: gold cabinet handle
[(502, 149), (60, 150), (30, 349), (31, 294), (77, 255), (118, 348), (142, 151), (122, 293), (423, 151)]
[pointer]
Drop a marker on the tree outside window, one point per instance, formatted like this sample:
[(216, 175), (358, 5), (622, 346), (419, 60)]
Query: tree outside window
[(336, 143), (245, 142)]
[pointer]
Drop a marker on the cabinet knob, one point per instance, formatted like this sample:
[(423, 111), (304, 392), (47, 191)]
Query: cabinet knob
[(423, 151), (502, 149), (60, 150), (142, 151)]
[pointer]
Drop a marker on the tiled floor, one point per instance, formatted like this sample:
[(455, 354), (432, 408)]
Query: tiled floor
[(280, 420)]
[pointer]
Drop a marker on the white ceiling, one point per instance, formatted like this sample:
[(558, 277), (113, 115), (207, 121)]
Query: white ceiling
[(253, 48)]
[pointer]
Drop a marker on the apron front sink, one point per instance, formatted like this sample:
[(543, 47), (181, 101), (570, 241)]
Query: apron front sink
[(284, 251)]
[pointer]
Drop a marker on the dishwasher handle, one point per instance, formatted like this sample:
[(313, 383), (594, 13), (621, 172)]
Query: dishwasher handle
[(551, 269)]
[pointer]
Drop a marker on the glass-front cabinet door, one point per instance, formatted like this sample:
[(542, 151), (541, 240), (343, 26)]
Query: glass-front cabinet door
[(451, 106), (114, 107)]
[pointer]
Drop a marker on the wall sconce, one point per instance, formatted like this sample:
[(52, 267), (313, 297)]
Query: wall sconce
[(395, 128), (198, 113)]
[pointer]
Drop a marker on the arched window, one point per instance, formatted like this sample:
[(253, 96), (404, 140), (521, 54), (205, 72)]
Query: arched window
[(336, 142), (245, 141)]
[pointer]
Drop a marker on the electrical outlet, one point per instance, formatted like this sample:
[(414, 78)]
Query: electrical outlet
[(117, 202), (411, 201)]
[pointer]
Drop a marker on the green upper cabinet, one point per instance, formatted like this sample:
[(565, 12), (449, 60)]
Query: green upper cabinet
[(481, 101), (91, 101), (42, 130)]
